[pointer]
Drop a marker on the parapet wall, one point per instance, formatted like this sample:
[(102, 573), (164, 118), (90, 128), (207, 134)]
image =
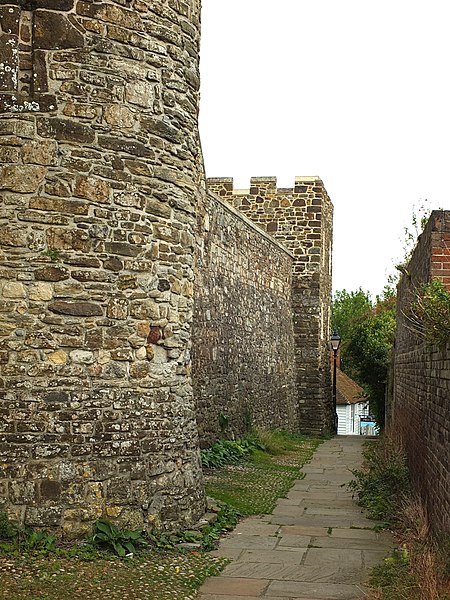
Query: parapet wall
[(420, 411), (243, 345), (100, 175), (301, 219)]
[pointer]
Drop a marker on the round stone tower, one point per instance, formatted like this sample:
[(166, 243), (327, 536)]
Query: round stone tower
[(100, 175)]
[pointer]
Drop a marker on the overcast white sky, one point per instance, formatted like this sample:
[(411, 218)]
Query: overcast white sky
[(354, 91)]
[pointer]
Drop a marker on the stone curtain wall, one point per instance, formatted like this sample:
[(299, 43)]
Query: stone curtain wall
[(100, 175), (301, 219), (243, 351), (421, 388)]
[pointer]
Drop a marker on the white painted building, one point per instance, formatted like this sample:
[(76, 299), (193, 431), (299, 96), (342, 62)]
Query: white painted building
[(352, 407)]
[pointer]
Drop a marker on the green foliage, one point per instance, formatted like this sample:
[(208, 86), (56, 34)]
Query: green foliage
[(383, 482), (24, 540), (227, 452), (429, 313), (393, 577), (367, 332), (8, 530), (227, 519), (347, 308), (121, 542), (53, 254), (40, 542), (224, 422), (419, 218)]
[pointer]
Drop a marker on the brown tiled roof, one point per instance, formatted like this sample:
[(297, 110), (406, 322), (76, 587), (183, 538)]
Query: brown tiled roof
[(347, 390)]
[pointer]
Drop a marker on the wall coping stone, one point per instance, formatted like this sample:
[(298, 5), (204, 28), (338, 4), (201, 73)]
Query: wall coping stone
[(250, 224)]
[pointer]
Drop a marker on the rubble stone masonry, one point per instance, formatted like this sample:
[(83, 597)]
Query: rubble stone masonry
[(99, 178), (243, 344), (301, 219), (106, 232), (420, 411)]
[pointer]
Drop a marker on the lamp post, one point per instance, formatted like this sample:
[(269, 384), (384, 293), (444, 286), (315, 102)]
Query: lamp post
[(335, 342)]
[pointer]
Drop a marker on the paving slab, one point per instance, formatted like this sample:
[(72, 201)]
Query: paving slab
[(237, 586), (314, 591), (317, 544)]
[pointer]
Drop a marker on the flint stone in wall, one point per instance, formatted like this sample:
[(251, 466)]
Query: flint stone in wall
[(58, 358), (146, 309), (140, 93), (161, 128), (82, 356), (92, 188), (62, 5), (10, 236), (127, 146), (45, 516)]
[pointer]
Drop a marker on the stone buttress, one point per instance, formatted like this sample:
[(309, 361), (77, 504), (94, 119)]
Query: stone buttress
[(100, 174), (301, 219)]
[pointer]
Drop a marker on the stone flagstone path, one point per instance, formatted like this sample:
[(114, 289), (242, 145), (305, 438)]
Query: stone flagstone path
[(316, 545)]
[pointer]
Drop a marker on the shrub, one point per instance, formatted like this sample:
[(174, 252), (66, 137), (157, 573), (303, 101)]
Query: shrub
[(429, 313), (383, 481)]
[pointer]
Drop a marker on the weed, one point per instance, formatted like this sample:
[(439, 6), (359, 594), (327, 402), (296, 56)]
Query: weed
[(417, 571), (227, 519), (393, 578), (122, 542), (53, 254), (383, 482)]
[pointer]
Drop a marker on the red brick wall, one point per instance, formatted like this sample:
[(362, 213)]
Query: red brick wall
[(421, 389)]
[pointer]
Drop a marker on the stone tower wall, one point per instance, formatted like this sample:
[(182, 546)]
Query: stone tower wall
[(420, 411), (100, 175), (301, 219), (243, 344)]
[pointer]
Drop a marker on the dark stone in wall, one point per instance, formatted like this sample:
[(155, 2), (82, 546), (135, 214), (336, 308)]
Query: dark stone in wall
[(53, 30)]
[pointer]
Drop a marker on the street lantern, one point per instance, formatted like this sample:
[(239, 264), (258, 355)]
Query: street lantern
[(335, 342)]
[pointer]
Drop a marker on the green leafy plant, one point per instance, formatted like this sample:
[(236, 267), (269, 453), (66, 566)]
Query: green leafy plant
[(227, 452), (227, 519), (53, 254), (121, 542), (393, 577), (429, 313)]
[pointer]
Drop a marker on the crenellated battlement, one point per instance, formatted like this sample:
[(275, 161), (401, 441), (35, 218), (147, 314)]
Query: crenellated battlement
[(265, 183), (300, 218)]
